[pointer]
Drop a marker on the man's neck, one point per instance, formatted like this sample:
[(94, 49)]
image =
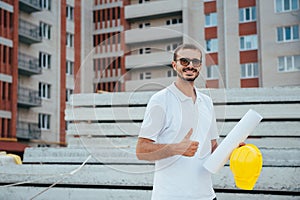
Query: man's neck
[(186, 87)]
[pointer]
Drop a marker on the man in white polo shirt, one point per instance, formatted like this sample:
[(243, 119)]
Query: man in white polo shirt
[(179, 132)]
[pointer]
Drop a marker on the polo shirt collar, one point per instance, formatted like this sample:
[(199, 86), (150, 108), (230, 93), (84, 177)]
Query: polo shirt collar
[(180, 94)]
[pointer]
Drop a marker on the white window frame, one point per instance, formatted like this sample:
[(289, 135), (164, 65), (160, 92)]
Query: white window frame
[(45, 4), (211, 19), (69, 67), (44, 121), (173, 21), (212, 72), (70, 12), (44, 90), (249, 70), (248, 42), (280, 6), (145, 75), (144, 25), (172, 46), (44, 60), (145, 50), (171, 73), (143, 1), (288, 36), (69, 92), (212, 45), (288, 63), (251, 11), (45, 30), (70, 40)]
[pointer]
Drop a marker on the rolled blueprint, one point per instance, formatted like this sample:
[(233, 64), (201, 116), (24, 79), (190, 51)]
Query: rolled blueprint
[(237, 135)]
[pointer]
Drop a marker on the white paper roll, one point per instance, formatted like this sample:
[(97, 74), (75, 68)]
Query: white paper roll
[(237, 135)]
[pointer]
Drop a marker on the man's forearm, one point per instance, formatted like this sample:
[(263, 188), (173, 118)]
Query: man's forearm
[(151, 151), (146, 149)]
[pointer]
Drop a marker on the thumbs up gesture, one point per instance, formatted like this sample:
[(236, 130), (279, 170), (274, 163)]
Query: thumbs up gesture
[(187, 147)]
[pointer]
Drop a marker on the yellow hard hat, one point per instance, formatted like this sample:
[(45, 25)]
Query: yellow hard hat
[(246, 164)]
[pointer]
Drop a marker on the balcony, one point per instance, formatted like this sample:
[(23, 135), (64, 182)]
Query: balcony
[(29, 131), (152, 9), (28, 98), (29, 33), (28, 65), (30, 6), (152, 59), (153, 34)]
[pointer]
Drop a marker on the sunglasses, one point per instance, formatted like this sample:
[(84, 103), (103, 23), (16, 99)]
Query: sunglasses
[(186, 61)]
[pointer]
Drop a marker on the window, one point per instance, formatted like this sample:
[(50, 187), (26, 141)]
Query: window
[(286, 5), (69, 92), (70, 12), (212, 45), (144, 25), (45, 4), (211, 19), (145, 75), (146, 50), (171, 73), (44, 121), (69, 67), (289, 63), (249, 70), (44, 90), (212, 72), (6, 90), (247, 14), (174, 21), (45, 30), (70, 40), (248, 42), (173, 46), (287, 33), (44, 60), (143, 1)]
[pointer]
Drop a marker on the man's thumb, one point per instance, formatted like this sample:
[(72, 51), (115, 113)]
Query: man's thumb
[(188, 135)]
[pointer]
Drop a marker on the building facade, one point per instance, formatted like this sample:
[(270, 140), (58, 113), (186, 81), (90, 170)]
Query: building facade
[(242, 45), (40, 53)]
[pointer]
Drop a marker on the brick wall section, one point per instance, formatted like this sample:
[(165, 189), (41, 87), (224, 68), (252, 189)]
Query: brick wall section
[(77, 45), (14, 86), (247, 28), (246, 3), (211, 32), (62, 126), (249, 82), (211, 59), (210, 7), (248, 56)]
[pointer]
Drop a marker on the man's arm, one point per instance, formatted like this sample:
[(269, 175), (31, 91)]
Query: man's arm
[(146, 149), (214, 145)]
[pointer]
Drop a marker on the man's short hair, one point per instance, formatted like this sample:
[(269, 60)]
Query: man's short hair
[(185, 46)]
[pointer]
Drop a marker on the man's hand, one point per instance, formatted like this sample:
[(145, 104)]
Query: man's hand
[(187, 147)]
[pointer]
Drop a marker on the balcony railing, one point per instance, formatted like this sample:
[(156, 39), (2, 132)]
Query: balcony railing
[(29, 33), (30, 6), (28, 98), (28, 65), (26, 130)]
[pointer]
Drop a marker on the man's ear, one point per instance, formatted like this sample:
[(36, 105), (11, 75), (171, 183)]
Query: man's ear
[(174, 65)]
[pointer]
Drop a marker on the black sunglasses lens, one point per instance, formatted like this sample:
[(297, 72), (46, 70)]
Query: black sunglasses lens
[(184, 61), (196, 62)]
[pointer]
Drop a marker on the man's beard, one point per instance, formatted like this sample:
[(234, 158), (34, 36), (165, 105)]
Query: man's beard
[(190, 79)]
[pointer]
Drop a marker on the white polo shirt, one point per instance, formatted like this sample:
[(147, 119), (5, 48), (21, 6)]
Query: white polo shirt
[(168, 118)]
